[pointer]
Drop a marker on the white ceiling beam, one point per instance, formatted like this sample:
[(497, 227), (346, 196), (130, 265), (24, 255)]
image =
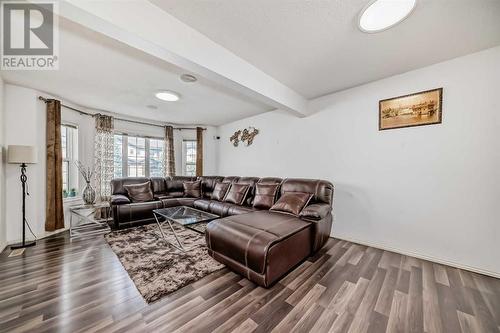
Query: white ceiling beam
[(142, 25)]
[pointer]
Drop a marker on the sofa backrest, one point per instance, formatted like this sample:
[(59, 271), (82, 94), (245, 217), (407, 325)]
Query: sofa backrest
[(230, 179), (159, 184), (251, 181), (117, 184), (174, 185), (208, 184), (322, 190)]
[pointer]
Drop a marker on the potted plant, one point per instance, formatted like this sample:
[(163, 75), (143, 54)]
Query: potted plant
[(72, 193), (65, 194)]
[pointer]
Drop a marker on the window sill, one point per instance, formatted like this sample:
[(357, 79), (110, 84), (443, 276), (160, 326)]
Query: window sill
[(72, 199)]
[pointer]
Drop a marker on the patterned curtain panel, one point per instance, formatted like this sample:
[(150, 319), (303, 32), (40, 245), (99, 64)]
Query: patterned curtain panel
[(103, 156), (169, 151), (199, 151), (54, 215)]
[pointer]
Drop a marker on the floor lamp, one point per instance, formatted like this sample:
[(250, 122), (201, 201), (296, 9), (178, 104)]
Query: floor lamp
[(22, 155)]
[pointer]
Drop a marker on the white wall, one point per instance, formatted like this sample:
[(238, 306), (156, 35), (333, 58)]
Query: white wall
[(431, 191), (24, 122), (3, 239)]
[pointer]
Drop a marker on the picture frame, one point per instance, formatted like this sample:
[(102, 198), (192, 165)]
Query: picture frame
[(417, 109)]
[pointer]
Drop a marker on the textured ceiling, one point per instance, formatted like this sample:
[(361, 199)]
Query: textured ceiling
[(315, 47)]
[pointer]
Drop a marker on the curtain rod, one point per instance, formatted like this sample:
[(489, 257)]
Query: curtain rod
[(45, 100)]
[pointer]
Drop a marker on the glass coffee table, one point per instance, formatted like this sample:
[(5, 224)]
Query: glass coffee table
[(185, 216)]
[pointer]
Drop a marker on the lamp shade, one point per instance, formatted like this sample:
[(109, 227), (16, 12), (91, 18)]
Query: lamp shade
[(21, 154)]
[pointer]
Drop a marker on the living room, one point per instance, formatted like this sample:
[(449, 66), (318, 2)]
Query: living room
[(250, 166)]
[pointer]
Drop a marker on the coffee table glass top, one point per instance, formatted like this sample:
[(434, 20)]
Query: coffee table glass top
[(185, 215)]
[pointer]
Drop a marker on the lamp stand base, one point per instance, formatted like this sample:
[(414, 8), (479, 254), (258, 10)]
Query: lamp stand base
[(21, 245)]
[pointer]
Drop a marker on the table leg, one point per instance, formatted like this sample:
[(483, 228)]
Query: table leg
[(180, 246), (159, 226)]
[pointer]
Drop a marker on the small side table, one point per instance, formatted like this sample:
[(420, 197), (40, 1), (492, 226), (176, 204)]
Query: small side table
[(83, 222)]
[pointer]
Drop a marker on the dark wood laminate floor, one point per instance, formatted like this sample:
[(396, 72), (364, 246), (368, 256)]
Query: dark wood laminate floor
[(80, 286)]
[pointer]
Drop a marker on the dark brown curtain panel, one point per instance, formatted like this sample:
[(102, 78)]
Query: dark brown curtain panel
[(169, 151), (199, 151), (54, 204)]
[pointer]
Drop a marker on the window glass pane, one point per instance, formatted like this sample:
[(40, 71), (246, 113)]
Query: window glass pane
[(156, 153), (64, 141), (190, 158), (65, 174), (118, 156), (136, 157), (69, 149)]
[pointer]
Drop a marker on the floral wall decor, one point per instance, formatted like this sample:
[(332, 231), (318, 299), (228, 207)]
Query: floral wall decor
[(246, 136)]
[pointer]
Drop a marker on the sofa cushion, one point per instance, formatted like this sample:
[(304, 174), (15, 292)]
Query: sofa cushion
[(237, 193), (192, 189), (140, 192), (247, 238), (292, 202), (202, 204), (220, 191), (238, 210), (173, 202), (265, 194), (161, 196), (219, 208), (119, 199)]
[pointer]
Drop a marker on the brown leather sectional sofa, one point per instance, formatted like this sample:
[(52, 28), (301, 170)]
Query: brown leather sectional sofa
[(259, 244)]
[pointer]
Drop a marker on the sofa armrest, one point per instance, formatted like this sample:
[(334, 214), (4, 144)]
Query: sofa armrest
[(315, 212), (119, 199)]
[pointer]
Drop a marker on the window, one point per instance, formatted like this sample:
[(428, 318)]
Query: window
[(136, 156), (189, 161), (69, 147), (156, 158)]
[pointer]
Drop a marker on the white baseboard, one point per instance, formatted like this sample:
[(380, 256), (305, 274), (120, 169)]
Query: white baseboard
[(420, 256)]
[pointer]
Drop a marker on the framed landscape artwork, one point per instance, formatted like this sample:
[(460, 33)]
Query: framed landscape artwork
[(422, 108)]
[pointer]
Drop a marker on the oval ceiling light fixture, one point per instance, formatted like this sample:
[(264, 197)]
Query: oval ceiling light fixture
[(189, 78), (380, 15), (167, 95)]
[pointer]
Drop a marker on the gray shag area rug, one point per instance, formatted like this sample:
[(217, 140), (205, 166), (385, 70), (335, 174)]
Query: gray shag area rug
[(156, 267)]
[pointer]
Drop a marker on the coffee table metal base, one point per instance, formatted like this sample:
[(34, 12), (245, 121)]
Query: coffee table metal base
[(179, 244)]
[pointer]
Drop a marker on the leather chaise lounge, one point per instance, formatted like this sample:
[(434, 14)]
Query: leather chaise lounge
[(256, 241)]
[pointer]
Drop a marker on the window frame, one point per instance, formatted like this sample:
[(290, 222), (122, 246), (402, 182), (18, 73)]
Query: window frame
[(147, 138), (71, 155), (184, 157)]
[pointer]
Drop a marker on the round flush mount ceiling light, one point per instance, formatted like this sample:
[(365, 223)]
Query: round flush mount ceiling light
[(167, 95), (380, 15), (189, 78)]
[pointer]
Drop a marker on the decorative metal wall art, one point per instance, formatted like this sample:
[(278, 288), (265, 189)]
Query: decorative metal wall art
[(235, 139), (246, 136)]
